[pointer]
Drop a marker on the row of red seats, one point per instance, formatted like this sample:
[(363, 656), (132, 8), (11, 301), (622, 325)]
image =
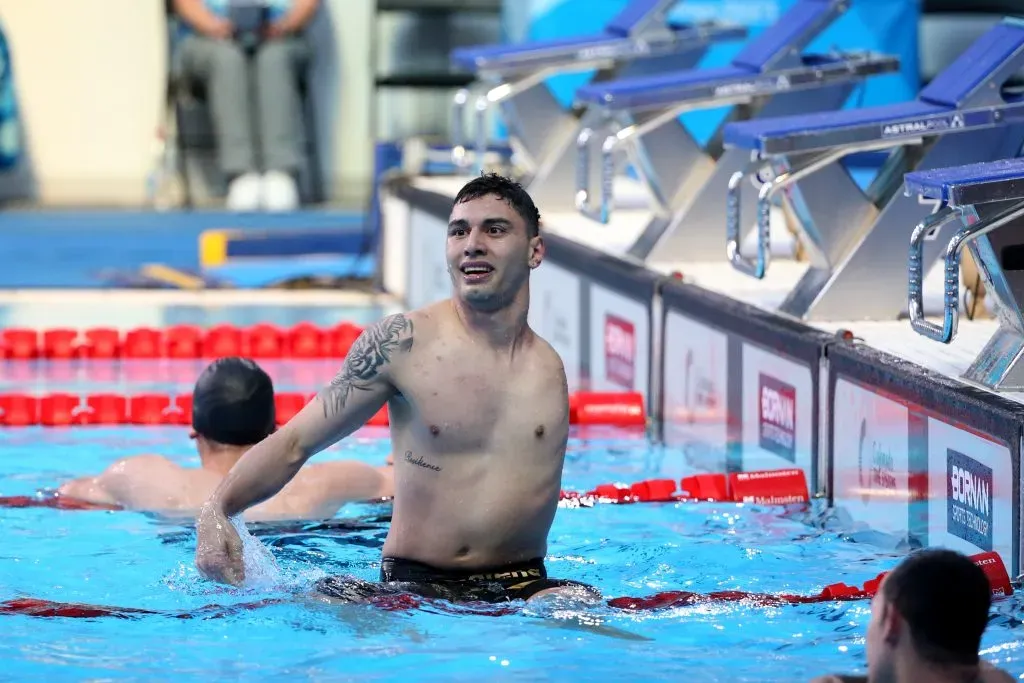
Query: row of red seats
[(65, 409), (769, 487), (180, 341)]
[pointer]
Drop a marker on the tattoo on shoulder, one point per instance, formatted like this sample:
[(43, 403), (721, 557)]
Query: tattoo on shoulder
[(376, 346), (420, 462)]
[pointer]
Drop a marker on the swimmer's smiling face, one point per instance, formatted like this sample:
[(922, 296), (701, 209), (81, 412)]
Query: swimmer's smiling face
[(490, 252)]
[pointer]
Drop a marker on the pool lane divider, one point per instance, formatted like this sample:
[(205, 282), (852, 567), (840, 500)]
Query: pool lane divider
[(768, 487), (623, 410), (261, 341), (990, 562), (772, 487)]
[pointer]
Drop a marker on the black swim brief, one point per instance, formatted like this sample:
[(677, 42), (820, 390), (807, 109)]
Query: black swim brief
[(519, 581)]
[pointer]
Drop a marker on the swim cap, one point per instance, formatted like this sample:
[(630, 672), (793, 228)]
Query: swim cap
[(233, 402)]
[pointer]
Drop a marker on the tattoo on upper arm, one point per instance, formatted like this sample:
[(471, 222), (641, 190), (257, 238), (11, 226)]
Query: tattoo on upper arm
[(376, 346)]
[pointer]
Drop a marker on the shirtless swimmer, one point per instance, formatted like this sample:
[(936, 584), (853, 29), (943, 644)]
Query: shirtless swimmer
[(479, 424)]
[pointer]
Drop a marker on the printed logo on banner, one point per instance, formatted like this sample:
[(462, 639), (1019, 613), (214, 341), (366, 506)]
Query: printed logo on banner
[(923, 126), (777, 413), (877, 468), (969, 499), (619, 351), (700, 394)]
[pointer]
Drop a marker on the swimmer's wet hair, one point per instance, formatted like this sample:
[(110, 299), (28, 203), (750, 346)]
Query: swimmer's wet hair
[(944, 598), (233, 402), (507, 189)]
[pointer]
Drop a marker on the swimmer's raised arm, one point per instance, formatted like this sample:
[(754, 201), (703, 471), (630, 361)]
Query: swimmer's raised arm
[(361, 387)]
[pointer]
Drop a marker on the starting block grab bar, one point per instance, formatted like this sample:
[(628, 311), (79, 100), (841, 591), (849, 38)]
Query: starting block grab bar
[(761, 171), (668, 101), (974, 227)]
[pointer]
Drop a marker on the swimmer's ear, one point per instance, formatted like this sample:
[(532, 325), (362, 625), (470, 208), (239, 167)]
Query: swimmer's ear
[(192, 434), (537, 250), (891, 624)]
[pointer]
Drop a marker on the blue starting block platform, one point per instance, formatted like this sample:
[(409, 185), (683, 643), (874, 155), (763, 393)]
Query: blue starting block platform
[(772, 76), (985, 202), (639, 40), (854, 238)]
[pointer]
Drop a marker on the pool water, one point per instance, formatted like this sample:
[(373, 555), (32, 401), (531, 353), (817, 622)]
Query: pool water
[(132, 560)]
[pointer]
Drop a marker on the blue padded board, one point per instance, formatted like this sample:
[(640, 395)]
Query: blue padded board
[(937, 183), (749, 134), (466, 57), (777, 38), (944, 94), (630, 16), (647, 84), (956, 82), (782, 34)]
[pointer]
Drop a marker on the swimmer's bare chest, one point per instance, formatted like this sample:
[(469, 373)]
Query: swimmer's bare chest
[(459, 401)]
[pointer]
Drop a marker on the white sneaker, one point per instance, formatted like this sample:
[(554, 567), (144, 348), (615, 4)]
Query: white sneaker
[(244, 193), (280, 192)]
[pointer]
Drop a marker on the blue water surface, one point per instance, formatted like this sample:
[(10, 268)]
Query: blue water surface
[(132, 560)]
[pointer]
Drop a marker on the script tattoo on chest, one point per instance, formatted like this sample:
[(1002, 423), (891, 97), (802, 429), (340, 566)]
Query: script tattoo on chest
[(420, 462), (376, 346)]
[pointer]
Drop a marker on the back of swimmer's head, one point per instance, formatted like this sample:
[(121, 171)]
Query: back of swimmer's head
[(233, 403), (944, 599)]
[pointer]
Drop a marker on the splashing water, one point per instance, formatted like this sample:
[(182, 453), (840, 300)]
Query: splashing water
[(261, 569)]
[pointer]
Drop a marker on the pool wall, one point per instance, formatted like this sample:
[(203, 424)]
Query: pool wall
[(900, 449)]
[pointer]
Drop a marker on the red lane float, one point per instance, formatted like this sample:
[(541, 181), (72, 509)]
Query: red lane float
[(53, 501), (65, 410), (769, 487), (618, 409), (836, 592), (260, 341), (990, 563)]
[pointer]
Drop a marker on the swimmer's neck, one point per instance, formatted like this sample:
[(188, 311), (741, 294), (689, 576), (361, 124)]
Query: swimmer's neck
[(916, 670), (501, 328), (220, 459)]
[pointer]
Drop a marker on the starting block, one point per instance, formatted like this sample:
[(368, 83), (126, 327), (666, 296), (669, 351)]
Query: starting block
[(686, 182), (985, 202), (639, 40), (855, 240)]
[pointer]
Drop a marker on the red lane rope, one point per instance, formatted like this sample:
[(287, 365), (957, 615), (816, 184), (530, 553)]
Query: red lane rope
[(768, 487), (53, 501), (994, 568), (262, 341), (588, 408)]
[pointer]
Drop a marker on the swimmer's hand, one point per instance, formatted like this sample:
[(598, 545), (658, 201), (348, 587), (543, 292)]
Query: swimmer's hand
[(218, 547)]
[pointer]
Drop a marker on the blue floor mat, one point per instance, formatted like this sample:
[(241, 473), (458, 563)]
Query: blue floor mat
[(79, 248)]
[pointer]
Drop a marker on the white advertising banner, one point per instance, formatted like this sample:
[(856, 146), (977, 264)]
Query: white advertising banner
[(695, 375), (970, 492), (620, 342), (778, 412), (555, 302), (871, 458)]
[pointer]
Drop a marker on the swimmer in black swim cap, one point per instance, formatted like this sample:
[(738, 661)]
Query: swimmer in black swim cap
[(926, 624), (232, 409)]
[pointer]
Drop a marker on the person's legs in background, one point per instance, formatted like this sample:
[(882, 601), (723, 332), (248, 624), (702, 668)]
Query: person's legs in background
[(279, 65), (224, 69)]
